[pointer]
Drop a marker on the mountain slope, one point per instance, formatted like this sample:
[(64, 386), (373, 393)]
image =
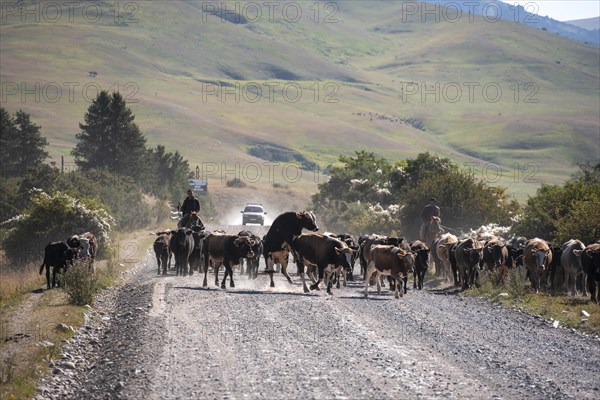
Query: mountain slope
[(334, 78)]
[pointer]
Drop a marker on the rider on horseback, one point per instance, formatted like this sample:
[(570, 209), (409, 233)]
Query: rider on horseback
[(190, 204), (429, 211)]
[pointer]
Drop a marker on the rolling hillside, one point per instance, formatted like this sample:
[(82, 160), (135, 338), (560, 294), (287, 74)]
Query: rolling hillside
[(322, 79)]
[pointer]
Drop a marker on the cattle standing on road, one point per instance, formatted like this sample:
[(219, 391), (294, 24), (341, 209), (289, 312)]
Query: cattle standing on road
[(182, 245), (284, 229), (366, 244), (389, 260), (257, 249), (537, 256), (323, 251), (590, 262), (225, 250), (468, 255), (196, 257), (58, 256), (162, 251), (421, 263), (571, 265)]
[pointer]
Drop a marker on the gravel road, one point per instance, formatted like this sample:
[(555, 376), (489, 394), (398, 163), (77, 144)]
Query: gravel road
[(167, 337)]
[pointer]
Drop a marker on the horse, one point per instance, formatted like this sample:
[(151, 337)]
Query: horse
[(189, 220), (429, 232)]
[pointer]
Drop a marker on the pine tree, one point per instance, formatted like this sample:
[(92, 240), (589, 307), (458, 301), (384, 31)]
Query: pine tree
[(21, 144), (110, 139)]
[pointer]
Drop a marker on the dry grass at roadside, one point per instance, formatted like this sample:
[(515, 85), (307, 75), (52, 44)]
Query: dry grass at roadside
[(516, 292), (16, 283)]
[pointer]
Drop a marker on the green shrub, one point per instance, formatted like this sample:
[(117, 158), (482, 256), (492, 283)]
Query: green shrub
[(54, 217), (80, 283), (236, 183)]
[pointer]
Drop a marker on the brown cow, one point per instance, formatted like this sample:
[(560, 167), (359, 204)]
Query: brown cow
[(443, 245), (537, 257), (389, 260), (162, 251)]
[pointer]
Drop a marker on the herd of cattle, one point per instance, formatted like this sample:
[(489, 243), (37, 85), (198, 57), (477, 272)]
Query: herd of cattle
[(331, 258)]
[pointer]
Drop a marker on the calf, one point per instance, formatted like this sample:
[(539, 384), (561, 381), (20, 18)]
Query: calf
[(281, 258), (468, 255), (389, 260), (537, 256), (181, 245), (58, 256), (351, 243), (571, 265), (284, 229), (323, 251), (590, 263), (227, 250), (421, 262), (162, 251)]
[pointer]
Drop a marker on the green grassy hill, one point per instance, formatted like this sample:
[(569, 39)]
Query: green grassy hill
[(343, 76)]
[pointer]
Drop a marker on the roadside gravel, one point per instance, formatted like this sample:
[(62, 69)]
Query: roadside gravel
[(168, 338)]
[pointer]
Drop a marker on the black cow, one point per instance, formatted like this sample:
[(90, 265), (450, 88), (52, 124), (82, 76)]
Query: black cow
[(58, 256), (515, 247), (421, 262), (182, 245), (452, 260), (590, 262), (495, 254), (468, 255), (284, 229), (196, 257), (162, 251), (227, 250), (555, 269), (322, 251), (257, 249)]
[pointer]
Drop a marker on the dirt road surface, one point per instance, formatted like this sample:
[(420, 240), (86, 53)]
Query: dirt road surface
[(167, 337)]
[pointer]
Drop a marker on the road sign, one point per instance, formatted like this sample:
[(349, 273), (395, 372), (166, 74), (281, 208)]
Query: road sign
[(199, 185)]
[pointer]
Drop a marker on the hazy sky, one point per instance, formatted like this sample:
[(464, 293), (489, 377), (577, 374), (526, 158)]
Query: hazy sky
[(562, 10)]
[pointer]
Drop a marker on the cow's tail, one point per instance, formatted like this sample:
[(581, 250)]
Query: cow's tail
[(42, 266)]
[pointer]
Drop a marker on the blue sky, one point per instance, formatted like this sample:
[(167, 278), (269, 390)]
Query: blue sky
[(562, 10)]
